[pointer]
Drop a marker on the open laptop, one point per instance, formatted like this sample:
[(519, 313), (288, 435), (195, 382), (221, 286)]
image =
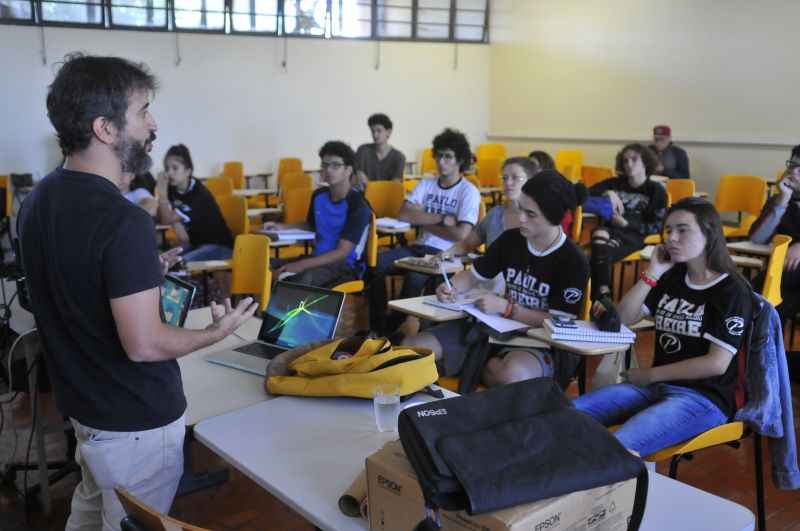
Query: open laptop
[(296, 315), (176, 300)]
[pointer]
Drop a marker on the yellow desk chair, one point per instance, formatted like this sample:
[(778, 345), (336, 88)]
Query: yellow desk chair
[(250, 265), (386, 199), (491, 151), (591, 175), (142, 517), (285, 165), (743, 194), (296, 203), (219, 186), (732, 432), (234, 211), (577, 225), (357, 286), (569, 157), (5, 184), (678, 189), (234, 170), (427, 164)]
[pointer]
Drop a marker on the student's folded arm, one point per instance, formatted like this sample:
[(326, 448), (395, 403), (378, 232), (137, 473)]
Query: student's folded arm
[(762, 229), (342, 251), (150, 205), (453, 234), (630, 308), (714, 363), (414, 214), (146, 339)]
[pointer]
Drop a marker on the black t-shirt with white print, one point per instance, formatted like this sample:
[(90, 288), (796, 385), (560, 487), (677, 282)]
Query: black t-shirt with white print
[(689, 318), (552, 280)]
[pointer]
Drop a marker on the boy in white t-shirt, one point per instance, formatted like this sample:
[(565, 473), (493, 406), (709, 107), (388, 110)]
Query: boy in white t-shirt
[(445, 209)]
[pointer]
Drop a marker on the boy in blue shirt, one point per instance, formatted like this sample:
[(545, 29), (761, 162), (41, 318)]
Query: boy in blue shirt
[(340, 217)]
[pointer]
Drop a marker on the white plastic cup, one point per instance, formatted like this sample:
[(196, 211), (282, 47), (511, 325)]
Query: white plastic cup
[(386, 403)]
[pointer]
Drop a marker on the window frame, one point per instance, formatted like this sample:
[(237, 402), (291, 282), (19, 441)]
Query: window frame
[(64, 24), (128, 27), (13, 21)]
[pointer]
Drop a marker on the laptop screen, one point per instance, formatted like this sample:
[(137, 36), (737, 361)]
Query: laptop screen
[(176, 299), (299, 314)]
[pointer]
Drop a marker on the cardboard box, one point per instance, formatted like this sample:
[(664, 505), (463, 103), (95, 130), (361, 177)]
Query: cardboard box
[(395, 504)]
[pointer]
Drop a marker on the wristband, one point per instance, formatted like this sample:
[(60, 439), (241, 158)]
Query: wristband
[(650, 281), (509, 309)]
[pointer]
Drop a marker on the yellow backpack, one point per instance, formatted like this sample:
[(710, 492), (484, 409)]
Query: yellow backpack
[(372, 362)]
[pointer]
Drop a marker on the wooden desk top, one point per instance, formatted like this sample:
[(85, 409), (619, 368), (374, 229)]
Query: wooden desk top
[(404, 263), (583, 348), (748, 247), (387, 230), (267, 210), (207, 266), (416, 306), (252, 192)]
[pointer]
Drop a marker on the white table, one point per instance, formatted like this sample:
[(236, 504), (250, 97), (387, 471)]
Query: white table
[(306, 451)]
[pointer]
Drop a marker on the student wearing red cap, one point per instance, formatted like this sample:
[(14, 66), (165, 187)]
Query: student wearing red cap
[(673, 161)]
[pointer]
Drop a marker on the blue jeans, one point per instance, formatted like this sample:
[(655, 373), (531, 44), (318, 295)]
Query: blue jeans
[(413, 283), (655, 416), (208, 251)]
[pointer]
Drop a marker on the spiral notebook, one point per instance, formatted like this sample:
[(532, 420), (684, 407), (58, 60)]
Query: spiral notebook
[(587, 331)]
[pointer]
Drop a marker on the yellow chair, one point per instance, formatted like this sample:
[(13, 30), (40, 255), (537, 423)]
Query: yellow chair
[(219, 186), (296, 202), (385, 197), (569, 157), (572, 173), (234, 170), (250, 264), (142, 517), (577, 225), (744, 194), (427, 164), (491, 151), (591, 175), (680, 189), (371, 251), (409, 185), (234, 211), (294, 179), (285, 165), (5, 183), (772, 280), (490, 172)]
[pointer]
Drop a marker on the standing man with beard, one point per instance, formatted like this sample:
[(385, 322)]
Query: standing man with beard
[(94, 276)]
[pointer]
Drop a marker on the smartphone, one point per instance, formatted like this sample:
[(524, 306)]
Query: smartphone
[(665, 255)]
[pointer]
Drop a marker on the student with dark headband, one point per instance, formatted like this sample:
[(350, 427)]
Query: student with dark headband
[(545, 274), (701, 307)]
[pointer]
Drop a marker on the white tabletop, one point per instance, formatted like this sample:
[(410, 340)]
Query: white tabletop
[(306, 451), (213, 389)]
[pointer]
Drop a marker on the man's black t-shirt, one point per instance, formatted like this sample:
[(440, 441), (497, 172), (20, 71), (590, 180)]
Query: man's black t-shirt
[(689, 318), (84, 244), (553, 280), (200, 215)]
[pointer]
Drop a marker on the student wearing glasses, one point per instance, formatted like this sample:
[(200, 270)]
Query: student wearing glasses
[(340, 217), (445, 210), (781, 215)]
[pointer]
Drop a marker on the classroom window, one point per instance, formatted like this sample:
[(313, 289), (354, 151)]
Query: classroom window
[(304, 17), (19, 10), (139, 13), (470, 20), (351, 18), (393, 18), (73, 12), (255, 16), (433, 19), (206, 15)]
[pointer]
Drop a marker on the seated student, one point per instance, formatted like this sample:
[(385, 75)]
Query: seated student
[(340, 217), (542, 159), (138, 196), (672, 160), (379, 161), (544, 271), (781, 215), (702, 307), (445, 209), (638, 207), (186, 204)]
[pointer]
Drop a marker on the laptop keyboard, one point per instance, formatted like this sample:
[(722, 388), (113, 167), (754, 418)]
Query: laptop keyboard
[(260, 350)]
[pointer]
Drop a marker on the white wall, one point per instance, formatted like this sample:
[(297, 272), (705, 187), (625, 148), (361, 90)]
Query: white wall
[(230, 99), (596, 75)]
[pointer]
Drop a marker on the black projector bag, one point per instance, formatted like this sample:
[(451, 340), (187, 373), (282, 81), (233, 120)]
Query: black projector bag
[(510, 445)]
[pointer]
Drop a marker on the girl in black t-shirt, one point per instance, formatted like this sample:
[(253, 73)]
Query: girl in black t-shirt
[(545, 274), (189, 207), (638, 207), (701, 307)]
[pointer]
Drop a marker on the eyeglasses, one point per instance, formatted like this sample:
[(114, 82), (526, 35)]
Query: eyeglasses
[(332, 165), (514, 178), (445, 156), (791, 165)]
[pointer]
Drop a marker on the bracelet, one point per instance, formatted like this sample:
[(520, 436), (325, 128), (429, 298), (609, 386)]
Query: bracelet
[(647, 279), (509, 309)]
